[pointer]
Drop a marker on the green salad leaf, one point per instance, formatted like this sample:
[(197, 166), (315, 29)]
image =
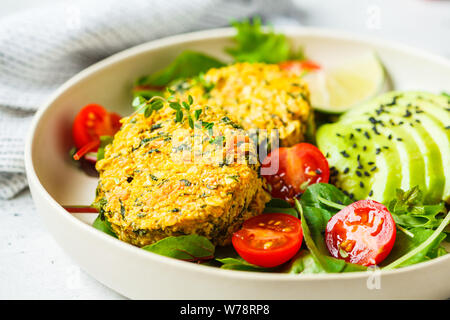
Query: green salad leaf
[(103, 225), (104, 141), (280, 206), (303, 262), (409, 211), (187, 247), (240, 264), (188, 64), (253, 44), (319, 203), (423, 246)]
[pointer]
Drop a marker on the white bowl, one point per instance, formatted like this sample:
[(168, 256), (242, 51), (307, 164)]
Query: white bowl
[(136, 273)]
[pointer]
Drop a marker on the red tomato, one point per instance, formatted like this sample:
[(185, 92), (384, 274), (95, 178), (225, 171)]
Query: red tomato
[(92, 122), (268, 240), (298, 67), (298, 167), (362, 233)]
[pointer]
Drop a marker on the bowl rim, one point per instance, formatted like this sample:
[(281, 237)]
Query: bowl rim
[(220, 33)]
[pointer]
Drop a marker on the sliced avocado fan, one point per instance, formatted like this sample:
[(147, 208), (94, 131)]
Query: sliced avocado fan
[(397, 140)]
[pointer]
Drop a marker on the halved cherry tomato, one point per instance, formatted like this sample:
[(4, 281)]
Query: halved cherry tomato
[(92, 122), (298, 67), (298, 167), (269, 240), (362, 233)]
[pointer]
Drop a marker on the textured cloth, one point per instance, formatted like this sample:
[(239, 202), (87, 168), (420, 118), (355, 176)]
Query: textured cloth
[(42, 48)]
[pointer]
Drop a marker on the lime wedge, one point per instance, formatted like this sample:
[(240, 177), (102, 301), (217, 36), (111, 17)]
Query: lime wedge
[(340, 89)]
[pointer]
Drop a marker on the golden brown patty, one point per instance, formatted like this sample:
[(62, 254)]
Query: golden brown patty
[(255, 95), (161, 178)]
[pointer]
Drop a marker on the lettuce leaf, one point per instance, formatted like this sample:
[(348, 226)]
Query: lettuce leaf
[(253, 44)]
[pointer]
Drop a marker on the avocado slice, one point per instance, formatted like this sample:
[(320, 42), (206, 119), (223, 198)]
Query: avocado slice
[(430, 115), (362, 163), (411, 128)]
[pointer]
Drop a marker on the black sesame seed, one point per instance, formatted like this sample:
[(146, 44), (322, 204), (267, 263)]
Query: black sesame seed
[(345, 154)]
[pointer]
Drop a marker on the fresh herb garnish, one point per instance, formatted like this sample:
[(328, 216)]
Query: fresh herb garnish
[(156, 103)]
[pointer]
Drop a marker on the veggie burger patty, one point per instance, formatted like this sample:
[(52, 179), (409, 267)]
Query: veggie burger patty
[(162, 178), (257, 96)]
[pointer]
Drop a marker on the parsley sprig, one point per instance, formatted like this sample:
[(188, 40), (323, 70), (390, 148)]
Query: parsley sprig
[(182, 108)]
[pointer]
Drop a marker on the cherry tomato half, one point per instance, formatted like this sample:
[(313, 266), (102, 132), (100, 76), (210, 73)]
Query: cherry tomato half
[(268, 240), (362, 233), (298, 67), (92, 122), (298, 167)]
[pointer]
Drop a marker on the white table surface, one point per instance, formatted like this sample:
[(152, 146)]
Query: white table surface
[(33, 266)]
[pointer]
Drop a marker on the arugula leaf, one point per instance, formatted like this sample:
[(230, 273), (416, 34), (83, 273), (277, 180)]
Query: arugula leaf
[(280, 206), (188, 64), (103, 225), (104, 141), (240, 264), (409, 211), (188, 247), (256, 45), (423, 246), (404, 244)]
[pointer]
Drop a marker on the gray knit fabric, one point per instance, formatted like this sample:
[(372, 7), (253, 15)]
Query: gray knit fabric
[(42, 48)]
